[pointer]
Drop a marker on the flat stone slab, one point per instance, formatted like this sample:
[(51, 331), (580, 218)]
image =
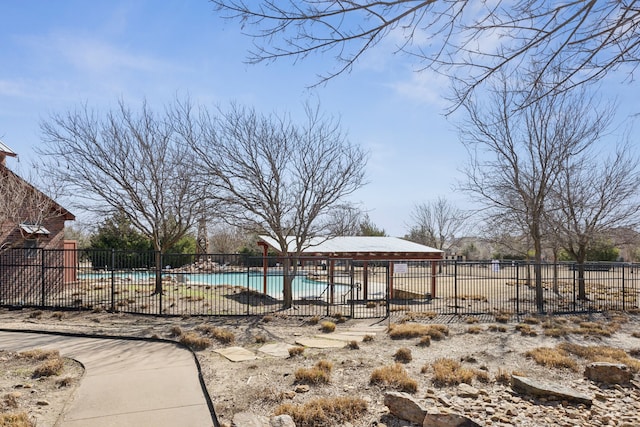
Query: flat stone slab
[(320, 342), (545, 389), (342, 336), (237, 354), (277, 350)]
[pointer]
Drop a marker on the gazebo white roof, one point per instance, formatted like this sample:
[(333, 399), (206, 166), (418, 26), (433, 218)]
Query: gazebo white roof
[(349, 246)]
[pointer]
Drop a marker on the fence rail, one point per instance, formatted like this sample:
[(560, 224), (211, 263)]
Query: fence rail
[(232, 284)]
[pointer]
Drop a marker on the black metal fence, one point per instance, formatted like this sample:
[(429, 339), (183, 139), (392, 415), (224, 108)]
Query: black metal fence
[(232, 284)]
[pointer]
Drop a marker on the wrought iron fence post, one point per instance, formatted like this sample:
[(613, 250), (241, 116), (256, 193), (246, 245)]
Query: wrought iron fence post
[(113, 280), (624, 305), (247, 286), (160, 259), (517, 289), (42, 278), (455, 286)]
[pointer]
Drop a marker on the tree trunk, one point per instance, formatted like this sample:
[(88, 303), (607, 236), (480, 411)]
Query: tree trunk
[(158, 262), (582, 291), (289, 271)]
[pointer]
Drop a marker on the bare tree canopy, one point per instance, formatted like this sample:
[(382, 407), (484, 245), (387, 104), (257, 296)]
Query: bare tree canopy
[(130, 162), (588, 38), (271, 175), (595, 195), (517, 155), (436, 223)]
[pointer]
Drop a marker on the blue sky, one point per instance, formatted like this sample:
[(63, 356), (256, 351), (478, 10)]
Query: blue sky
[(56, 56)]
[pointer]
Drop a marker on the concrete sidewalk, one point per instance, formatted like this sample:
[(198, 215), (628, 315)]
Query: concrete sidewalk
[(127, 382)]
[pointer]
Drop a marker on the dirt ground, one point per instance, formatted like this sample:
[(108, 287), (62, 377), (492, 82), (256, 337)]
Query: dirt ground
[(261, 385)]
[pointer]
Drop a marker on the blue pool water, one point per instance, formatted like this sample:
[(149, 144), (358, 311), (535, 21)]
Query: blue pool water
[(302, 286)]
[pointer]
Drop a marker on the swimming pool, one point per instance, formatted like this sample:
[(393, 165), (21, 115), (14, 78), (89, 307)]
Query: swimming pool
[(303, 287)]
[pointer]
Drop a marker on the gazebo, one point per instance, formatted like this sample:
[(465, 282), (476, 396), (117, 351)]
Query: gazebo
[(360, 248)]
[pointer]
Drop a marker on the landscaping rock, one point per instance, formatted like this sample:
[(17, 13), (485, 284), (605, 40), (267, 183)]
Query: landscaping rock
[(543, 389), (405, 407), (247, 419), (609, 373), (448, 420), (282, 421), (465, 390)]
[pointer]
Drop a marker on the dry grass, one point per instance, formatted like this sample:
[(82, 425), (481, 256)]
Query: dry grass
[(472, 320), (394, 377), (260, 339), (39, 354), (10, 400), (353, 345), (57, 315), (526, 330), (415, 330), (49, 368), (296, 351), (195, 341), (424, 341), (314, 320), (502, 316), (175, 331), (327, 327), (531, 320), (367, 338), (18, 419), (403, 355), (447, 372), (497, 328), (502, 377), (325, 412), (475, 329), (552, 358), (602, 354), (219, 334), (418, 315), (319, 374)]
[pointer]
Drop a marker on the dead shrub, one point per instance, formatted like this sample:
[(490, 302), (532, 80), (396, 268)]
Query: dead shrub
[(526, 330), (35, 314), (296, 351), (424, 341), (475, 329), (502, 377), (39, 354), (268, 318), (497, 328), (175, 331), (602, 354), (327, 327), (11, 399), (403, 355), (260, 339), (219, 334), (415, 330), (319, 374), (531, 320), (448, 372), (394, 377), (194, 341), (16, 419), (314, 320), (325, 411), (64, 382), (49, 368), (502, 316), (471, 320), (552, 358), (58, 315), (367, 338), (353, 345)]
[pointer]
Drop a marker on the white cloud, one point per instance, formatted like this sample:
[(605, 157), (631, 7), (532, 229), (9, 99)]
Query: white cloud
[(424, 86)]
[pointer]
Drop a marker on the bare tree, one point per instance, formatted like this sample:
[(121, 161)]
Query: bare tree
[(270, 175), (595, 195), (344, 220), (588, 38), (130, 162), (437, 223), (516, 157)]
